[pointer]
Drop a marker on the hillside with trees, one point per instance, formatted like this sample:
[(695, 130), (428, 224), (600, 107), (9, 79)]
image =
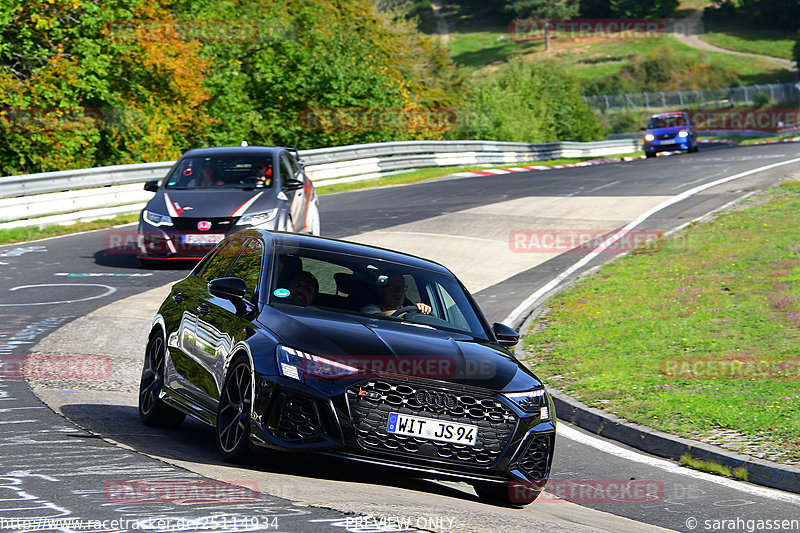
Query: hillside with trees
[(86, 83)]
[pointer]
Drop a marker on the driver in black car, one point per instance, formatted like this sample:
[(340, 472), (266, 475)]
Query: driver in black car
[(392, 295), (304, 288)]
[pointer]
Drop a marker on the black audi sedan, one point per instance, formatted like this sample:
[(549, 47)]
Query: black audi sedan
[(302, 343), (212, 192)]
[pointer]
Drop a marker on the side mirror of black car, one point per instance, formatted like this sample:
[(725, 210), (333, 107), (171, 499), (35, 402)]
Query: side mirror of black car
[(505, 335), (292, 185), (151, 185), (228, 288)]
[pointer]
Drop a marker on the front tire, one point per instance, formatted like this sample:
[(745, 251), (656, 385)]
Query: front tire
[(512, 494), (152, 409), (235, 412)]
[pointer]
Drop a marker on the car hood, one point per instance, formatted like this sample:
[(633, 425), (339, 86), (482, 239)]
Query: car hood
[(214, 203), (385, 347)]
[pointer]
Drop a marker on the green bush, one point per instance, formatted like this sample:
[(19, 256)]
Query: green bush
[(527, 102)]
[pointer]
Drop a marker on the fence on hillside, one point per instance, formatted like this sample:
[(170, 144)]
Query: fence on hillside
[(700, 98)]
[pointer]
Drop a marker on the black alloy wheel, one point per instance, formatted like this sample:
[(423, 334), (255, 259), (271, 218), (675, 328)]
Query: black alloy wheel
[(152, 409), (234, 414)]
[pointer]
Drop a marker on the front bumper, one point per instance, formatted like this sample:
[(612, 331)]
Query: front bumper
[(511, 445), (165, 245), (667, 145)]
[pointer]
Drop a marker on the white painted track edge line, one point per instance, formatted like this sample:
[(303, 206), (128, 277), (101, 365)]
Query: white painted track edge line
[(673, 468), (555, 282)]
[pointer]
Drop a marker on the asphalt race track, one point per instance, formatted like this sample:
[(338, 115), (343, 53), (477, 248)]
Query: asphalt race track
[(85, 298)]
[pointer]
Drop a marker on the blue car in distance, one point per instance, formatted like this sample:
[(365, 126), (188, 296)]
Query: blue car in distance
[(669, 131)]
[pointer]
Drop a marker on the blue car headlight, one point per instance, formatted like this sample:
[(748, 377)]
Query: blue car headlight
[(533, 401), (154, 219), (295, 364), (257, 219), (649, 137), (683, 134)]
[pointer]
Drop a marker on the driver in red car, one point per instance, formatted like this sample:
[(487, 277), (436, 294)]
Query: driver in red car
[(261, 174), (392, 294)]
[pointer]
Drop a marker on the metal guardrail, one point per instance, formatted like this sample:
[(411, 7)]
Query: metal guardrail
[(66, 196)]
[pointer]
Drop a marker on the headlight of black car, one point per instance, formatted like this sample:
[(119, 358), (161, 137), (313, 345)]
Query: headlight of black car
[(534, 401), (154, 219), (296, 364)]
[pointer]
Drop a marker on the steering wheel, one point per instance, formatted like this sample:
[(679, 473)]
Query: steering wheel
[(406, 309)]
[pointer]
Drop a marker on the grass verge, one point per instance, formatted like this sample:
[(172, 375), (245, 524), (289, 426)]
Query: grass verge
[(9, 236), (754, 140), (713, 468), (696, 336)]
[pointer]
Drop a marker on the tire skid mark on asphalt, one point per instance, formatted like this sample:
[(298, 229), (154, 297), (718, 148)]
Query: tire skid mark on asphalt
[(22, 250), (25, 491), (13, 338)]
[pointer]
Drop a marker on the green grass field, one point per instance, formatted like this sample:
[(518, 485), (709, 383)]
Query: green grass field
[(481, 41), (695, 335), (743, 38)]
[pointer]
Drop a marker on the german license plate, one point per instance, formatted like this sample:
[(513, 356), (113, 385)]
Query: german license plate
[(431, 428), (206, 238)]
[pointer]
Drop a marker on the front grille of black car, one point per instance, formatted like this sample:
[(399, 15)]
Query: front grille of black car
[(299, 419), (665, 136), (218, 224), (534, 461), (370, 410)]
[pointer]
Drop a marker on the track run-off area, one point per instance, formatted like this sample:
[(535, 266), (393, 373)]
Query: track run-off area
[(73, 451)]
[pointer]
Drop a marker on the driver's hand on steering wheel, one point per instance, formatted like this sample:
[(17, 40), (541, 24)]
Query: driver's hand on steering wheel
[(423, 308)]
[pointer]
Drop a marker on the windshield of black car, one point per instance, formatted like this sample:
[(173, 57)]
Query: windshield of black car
[(364, 286), (222, 172)]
